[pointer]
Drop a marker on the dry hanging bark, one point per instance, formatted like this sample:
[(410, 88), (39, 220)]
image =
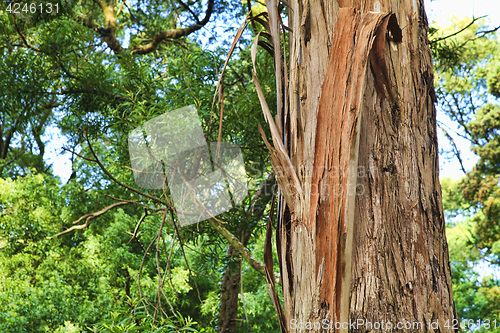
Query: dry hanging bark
[(355, 153)]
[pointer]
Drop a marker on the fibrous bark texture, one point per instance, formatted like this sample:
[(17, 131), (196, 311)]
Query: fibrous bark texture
[(362, 242)]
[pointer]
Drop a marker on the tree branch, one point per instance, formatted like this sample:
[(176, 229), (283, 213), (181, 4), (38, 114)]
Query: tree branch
[(8, 138), (167, 204), (175, 33), (106, 33), (89, 217), (100, 4), (456, 32), (238, 246), (485, 32), (25, 41), (190, 11), (454, 147)]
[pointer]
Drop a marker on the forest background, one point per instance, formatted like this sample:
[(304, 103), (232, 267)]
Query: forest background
[(75, 83)]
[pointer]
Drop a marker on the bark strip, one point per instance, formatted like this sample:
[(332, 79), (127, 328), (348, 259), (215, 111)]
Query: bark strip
[(363, 236), (336, 153)]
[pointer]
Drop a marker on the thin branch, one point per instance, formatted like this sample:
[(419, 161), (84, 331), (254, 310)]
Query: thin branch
[(186, 80), (132, 201), (28, 45), (456, 32), (134, 235), (459, 117), (81, 156), (12, 160), (8, 138), (241, 282), (161, 282), (190, 11), (455, 148), (485, 32), (230, 52), (168, 268), (181, 245), (65, 70), (120, 9), (463, 136), (89, 217), (141, 293), (103, 168), (479, 35), (238, 246)]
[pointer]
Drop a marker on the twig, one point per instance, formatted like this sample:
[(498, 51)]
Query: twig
[(241, 284), (456, 32), (141, 293), (22, 36), (168, 204), (160, 276), (455, 148), (120, 9), (89, 217), (81, 156), (138, 225), (190, 11), (184, 254)]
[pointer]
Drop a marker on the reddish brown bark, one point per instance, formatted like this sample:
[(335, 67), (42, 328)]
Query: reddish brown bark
[(336, 158), (364, 238)]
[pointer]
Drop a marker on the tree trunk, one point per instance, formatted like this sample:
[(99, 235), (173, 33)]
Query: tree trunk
[(230, 287), (362, 242), (228, 312)]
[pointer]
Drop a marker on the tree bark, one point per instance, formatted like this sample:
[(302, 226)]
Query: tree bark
[(231, 280), (363, 237), (228, 312)]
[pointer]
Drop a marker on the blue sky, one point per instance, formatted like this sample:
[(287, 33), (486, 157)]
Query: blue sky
[(441, 11)]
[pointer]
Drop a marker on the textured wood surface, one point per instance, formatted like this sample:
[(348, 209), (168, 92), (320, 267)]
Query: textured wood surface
[(364, 235)]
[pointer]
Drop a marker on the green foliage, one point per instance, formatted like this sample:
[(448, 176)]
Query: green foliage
[(139, 321), (466, 69), (130, 269), (476, 297), (115, 274), (493, 77), (44, 282), (454, 204)]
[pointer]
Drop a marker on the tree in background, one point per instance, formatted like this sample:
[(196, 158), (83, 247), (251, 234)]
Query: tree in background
[(466, 63), (95, 70)]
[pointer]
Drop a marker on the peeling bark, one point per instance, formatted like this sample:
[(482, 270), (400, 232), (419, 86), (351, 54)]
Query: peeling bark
[(365, 235)]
